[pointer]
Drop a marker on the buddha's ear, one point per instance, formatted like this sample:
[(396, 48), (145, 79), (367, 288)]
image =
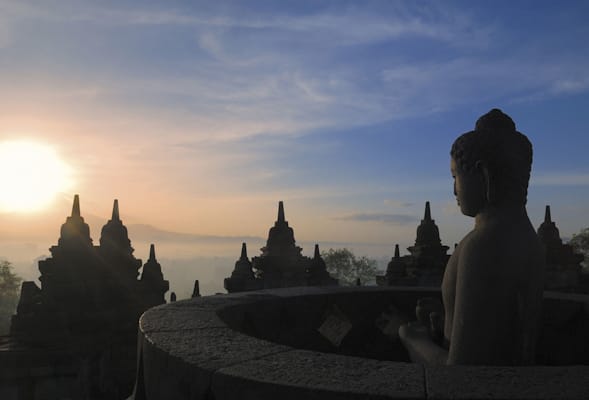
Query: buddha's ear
[(483, 169)]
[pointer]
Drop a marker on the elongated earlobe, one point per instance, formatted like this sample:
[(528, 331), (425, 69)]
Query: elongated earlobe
[(483, 169)]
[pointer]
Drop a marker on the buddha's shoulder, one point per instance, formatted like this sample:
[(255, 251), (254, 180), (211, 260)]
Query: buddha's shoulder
[(502, 235), (500, 248)]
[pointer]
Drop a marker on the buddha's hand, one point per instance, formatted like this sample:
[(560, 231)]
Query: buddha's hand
[(413, 327), (430, 314), (420, 346), (413, 333), (436, 327), (426, 306)]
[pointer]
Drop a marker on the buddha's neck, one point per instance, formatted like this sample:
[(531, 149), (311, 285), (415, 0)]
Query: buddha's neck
[(501, 213)]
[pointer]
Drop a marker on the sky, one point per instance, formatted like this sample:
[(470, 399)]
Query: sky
[(200, 116)]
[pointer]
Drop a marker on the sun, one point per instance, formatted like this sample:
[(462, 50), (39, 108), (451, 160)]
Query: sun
[(31, 175)]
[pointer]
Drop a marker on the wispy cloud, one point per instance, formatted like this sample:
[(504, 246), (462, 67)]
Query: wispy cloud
[(254, 71), (560, 179), (201, 115), (395, 219), (397, 203), (348, 24), (573, 85), (453, 81), (451, 208), (148, 233), (250, 85)]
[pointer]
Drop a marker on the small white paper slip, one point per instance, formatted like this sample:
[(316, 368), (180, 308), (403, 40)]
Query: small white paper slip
[(335, 327)]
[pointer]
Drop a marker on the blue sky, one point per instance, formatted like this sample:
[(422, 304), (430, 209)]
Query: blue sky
[(199, 117)]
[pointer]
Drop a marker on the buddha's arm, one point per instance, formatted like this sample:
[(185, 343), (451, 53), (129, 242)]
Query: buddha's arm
[(479, 307), (420, 346)]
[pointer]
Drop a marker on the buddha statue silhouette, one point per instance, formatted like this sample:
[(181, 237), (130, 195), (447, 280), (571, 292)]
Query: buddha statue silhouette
[(493, 283)]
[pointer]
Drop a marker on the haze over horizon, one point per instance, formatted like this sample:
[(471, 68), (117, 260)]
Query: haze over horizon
[(200, 117)]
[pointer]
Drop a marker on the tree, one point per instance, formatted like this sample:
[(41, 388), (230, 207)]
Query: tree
[(343, 265), (580, 242), (9, 290)]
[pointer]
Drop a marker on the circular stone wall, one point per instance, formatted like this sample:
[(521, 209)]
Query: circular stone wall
[(267, 345)]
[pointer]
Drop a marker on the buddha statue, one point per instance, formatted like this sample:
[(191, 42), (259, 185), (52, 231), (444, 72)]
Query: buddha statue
[(493, 283)]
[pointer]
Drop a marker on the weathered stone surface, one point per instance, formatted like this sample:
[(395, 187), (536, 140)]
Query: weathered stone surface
[(463, 382), (37, 373), (304, 374), (209, 312), (221, 300), (9, 391), (212, 348), (223, 363), (179, 364), (299, 291), (161, 320), (563, 339)]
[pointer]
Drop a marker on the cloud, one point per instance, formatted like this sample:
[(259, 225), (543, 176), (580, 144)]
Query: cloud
[(347, 24), (451, 208), (575, 85), (249, 84), (394, 219), (560, 179), (258, 71), (397, 203), (484, 79), (243, 73), (148, 233)]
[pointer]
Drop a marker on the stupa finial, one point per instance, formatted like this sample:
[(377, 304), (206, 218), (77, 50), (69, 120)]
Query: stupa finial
[(196, 290), (397, 251), (76, 206), (115, 211), (547, 216), (281, 212), (427, 215), (243, 252), (151, 253), (317, 253)]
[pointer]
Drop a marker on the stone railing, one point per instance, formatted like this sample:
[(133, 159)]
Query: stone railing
[(266, 345)]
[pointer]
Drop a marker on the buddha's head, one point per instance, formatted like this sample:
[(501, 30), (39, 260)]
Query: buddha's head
[(491, 165)]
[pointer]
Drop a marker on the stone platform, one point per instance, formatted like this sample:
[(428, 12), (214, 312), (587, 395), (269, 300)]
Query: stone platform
[(266, 345)]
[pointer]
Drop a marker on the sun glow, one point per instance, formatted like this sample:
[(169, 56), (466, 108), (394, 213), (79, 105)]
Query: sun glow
[(31, 175)]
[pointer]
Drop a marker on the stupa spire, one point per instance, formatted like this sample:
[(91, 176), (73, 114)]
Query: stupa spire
[(281, 241), (396, 268), (548, 232), (242, 278), (75, 231), (151, 253), (243, 252), (114, 237), (317, 253), (152, 275), (427, 242), (427, 215), (281, 212), (115, 211), (76, 206), (196, 290)]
